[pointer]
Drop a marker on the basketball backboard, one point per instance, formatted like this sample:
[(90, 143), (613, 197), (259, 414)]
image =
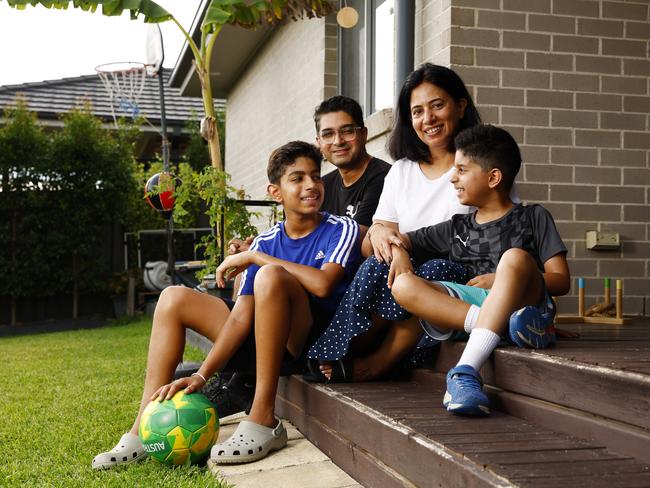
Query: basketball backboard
[(155, 52)]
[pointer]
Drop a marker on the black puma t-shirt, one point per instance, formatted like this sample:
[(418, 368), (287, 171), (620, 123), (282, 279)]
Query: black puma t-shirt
[(479, 247), (359, 200)]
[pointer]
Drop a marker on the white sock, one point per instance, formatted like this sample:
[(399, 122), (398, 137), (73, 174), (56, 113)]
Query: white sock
[(480, 345), (471, 318)]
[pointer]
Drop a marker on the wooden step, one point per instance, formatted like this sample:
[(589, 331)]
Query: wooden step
[(591, 387), (388, 434), (619, 436)]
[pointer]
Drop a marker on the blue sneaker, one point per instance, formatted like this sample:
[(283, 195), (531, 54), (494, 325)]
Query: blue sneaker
[(464, 393), (533, 326)]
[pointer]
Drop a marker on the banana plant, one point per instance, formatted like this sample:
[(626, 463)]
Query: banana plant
[(244, 13)]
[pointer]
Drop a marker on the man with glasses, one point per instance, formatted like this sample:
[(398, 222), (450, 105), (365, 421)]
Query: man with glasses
[(341, 135)]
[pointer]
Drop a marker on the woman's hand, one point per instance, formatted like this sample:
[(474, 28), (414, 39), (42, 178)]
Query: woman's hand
[(232, 266), (401, 264), (482, 281), (190, 384), (382, 237)]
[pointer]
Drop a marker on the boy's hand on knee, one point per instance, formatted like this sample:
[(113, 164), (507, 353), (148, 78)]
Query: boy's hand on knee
[(401, 264), (232, 266), (482, 281)]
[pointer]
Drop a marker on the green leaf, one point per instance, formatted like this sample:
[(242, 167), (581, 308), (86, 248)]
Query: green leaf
[(152, 12), (217, 15), (250, 14)]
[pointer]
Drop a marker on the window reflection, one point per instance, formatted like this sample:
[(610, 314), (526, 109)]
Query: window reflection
[(384, 54)]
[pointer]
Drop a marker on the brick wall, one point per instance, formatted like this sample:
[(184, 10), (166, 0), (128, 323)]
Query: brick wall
[(571, 80), (274, 100)]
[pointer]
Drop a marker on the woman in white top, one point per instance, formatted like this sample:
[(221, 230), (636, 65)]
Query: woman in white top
[(370, 333)]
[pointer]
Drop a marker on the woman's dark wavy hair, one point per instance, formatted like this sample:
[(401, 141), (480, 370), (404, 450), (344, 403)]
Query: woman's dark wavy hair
[(403, 141)]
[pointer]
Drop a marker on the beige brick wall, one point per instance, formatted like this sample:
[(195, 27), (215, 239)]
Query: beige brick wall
[(571, 80), (275, 98)]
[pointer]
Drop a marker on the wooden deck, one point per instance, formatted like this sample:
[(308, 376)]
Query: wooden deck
[(571, 416)]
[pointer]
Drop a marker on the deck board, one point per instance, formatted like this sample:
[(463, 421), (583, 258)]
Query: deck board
[(572, 468), (552, 455), (619, 480)]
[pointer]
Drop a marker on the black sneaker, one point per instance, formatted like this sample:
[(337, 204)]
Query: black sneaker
[(234, 397)]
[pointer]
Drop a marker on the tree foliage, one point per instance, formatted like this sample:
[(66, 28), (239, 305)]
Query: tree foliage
[(92, 171), (24, 156), (59, 193), (212, 187)]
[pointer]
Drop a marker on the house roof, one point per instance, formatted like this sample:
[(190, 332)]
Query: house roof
[(49, 99)]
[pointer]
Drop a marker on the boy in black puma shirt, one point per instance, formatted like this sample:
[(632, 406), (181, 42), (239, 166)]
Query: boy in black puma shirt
[(513, 251)]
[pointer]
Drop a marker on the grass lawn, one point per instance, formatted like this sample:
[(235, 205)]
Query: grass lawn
[(67, 396)]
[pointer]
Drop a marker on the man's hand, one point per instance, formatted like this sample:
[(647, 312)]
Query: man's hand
[(236, 246), (232, 266), (400, 264), (482, 281), (382, 237)]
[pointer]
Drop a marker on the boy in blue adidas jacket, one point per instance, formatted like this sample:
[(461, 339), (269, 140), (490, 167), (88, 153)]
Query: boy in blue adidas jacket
[(293, 278)]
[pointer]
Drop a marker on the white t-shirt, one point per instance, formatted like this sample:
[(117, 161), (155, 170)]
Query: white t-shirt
[(412, 200)]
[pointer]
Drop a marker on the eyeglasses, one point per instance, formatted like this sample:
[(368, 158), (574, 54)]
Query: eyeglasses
[(328, 136)]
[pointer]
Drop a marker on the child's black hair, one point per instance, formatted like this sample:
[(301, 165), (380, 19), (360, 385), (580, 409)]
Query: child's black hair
[(287, 154), (339, 103), (491, 147)]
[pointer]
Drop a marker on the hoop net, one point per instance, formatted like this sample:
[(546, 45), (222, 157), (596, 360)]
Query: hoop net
[(124, 83)]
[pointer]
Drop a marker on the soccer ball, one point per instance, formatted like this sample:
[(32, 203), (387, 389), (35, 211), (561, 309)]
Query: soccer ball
[(179, 431)]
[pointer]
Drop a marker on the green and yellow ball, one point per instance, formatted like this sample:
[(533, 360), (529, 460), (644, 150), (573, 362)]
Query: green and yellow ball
[(179, 431)]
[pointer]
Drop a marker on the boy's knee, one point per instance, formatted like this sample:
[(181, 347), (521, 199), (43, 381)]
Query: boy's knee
[(172, 296), (403, 287), (516, 257), (269, 277)]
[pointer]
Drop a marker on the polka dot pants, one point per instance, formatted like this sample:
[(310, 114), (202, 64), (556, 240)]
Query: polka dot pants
[(368, 295)]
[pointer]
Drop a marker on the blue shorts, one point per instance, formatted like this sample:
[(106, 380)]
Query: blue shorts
[(468, 294), (476, 296)]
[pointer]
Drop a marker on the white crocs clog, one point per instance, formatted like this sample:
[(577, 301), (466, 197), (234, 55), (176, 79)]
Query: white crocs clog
[(249, 443), (128, 450)]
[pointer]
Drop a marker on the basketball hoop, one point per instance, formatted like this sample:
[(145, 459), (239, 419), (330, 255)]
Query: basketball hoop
[(124, 83)]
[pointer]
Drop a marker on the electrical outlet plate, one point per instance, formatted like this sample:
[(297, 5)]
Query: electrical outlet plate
[(598, 240)]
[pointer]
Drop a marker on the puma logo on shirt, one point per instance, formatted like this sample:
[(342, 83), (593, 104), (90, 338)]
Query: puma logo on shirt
[(464, 242)]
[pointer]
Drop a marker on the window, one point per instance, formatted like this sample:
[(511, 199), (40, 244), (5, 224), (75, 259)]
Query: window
[(367, 55), (383, 55)]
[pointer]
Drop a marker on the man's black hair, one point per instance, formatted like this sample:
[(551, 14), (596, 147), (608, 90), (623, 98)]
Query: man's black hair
[(403, 141), (339, 103), (491, 147), (286, 155)]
